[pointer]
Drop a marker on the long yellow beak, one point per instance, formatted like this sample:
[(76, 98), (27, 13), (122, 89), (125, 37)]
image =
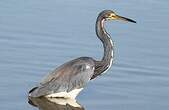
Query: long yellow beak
[(124, 19)]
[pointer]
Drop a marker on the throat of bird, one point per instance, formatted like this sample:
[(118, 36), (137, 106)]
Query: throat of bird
[(108, 52), (107, 44)]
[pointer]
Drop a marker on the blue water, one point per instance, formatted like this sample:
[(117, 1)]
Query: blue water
[(37, 36)]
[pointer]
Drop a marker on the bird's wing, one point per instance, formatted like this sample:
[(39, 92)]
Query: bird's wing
[(72, 75)]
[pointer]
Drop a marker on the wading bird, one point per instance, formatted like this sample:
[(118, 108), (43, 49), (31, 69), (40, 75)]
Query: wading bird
[(70, 78)]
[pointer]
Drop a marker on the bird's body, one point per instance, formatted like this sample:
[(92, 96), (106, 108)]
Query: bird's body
[(70, 78), (67, 80)]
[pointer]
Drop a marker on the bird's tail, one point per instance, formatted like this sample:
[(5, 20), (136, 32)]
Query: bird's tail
[(32, 92)]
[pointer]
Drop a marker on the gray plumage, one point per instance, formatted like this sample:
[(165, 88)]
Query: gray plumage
[(77, 73), (74, 74)]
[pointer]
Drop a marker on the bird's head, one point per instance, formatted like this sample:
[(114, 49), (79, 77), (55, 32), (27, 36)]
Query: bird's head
[(110, 15)]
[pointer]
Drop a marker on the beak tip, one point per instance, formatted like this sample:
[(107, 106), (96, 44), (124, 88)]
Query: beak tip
[(126, 19), (130, 20), (134, 22)]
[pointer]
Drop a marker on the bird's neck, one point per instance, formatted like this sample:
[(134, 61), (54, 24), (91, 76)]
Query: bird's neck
[(107, 44)]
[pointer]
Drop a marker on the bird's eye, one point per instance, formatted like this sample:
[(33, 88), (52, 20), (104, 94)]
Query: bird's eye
[(109, 15)]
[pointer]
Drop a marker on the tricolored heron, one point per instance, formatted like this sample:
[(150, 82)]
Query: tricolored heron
[(70, 78)]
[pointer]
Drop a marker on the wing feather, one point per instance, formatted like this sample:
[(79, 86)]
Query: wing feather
[(72, 75)]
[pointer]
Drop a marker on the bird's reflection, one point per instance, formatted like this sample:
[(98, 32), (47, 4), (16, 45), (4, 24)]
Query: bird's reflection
[(54, 103)]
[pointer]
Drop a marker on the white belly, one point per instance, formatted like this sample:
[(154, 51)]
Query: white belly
[(64, 102), (72, 94)]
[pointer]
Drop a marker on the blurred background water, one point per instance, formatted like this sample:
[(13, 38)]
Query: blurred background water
[(36, 36)]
